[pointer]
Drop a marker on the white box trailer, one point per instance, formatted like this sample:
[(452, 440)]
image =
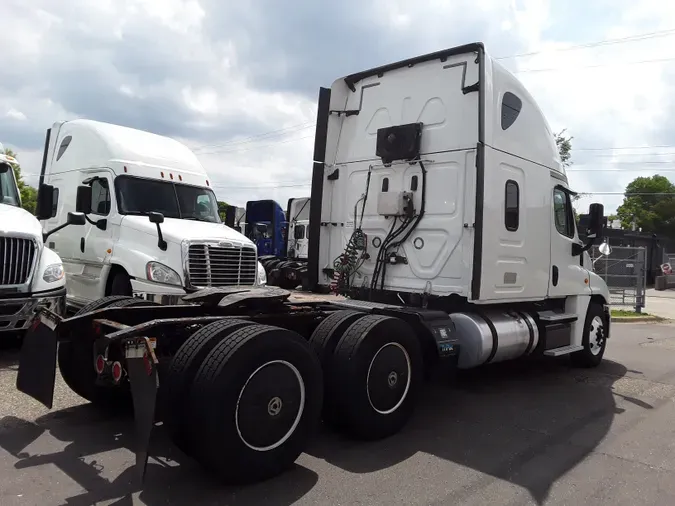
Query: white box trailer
[(427, 175)]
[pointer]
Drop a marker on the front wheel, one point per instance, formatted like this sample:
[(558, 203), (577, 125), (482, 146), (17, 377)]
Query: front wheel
[(594, 338)]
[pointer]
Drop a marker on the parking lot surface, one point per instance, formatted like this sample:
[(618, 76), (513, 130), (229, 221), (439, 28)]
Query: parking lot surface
[(511, 434)]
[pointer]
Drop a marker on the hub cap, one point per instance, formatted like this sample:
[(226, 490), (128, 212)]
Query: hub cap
[(270, 405), (596, 335), (389, 377)]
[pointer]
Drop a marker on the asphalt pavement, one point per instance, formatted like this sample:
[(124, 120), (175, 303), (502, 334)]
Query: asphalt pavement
[(511, 434)]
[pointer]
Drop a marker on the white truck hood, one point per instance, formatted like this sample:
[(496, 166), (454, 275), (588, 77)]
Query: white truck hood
[(15, 219), (176, 230)]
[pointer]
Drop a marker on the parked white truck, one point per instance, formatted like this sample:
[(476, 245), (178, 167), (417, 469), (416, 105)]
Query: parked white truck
[(298, 228), (439, 205), (31, 275), (153, 229)]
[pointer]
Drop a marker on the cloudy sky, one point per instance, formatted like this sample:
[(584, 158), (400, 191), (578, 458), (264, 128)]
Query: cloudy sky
[(238, 81)]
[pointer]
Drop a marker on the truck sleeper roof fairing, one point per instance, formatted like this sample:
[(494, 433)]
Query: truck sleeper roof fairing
[(86, 143), (460, 96)]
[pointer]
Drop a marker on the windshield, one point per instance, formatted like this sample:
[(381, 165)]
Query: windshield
[(141, 196), (8, 191)]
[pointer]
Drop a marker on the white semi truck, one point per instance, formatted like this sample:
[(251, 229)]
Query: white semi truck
[(31, 275), (439, 206), (153, 230)]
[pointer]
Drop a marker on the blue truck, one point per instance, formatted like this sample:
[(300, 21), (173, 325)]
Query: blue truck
[(269, 226)]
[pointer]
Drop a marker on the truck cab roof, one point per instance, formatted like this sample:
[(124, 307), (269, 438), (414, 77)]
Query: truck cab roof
[(84, 143)]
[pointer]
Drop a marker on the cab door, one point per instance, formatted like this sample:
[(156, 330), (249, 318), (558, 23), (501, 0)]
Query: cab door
[(94, 245), (566, 276)]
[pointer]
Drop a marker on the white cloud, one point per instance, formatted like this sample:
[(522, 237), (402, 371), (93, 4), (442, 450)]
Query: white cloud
[(214, 74)]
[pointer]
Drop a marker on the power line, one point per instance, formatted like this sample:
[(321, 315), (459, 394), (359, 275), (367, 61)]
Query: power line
[(262, 146), (254, 138), (606, 42), (598, 65)]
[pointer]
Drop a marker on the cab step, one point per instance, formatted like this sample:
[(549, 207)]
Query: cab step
[(565, 350), (555, 317)]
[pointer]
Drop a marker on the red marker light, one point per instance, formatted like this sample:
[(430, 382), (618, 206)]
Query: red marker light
[(100, 364), (162, 173), (180, 178), (116, 372), (125, 168), (207, 183), (170, 175)]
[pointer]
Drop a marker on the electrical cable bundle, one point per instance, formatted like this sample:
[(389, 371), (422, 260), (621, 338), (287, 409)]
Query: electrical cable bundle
[(350, 261)]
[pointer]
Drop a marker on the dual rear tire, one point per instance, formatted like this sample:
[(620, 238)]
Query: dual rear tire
[(245, 399), (373, 369)]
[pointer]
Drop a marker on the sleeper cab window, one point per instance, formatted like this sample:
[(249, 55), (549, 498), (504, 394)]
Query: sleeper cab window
[(511, 106), (562, 213), (511, 206), (100, 197)]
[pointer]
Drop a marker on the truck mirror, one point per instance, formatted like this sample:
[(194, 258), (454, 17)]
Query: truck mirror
[(230, 216), (155, 217), (83, 199), (76, 218), (45, 202), (595, 220), (605, 248)]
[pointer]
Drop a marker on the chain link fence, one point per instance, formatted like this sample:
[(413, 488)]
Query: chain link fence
[(624, 272)]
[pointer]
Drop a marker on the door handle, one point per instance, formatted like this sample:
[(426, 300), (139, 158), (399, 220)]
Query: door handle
[(554, 281), (82, 244)]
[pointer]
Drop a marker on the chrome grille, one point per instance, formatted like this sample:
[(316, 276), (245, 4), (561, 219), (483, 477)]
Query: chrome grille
[(16, 260), (211, 265)]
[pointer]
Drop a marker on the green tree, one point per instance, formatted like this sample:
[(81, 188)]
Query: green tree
[(28, 193), (564, 144), (222, 209), (650, 201), (564, 147)]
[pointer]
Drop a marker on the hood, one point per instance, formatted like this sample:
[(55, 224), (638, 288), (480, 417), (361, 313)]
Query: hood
[(176, 230), (16, 219)]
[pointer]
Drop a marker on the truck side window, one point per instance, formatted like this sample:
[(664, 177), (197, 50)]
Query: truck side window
[(511, 206), (100, 197), (562, 212)]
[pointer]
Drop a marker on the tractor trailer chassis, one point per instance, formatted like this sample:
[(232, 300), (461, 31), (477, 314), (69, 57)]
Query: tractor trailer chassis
[(241, 377), (166, 361)]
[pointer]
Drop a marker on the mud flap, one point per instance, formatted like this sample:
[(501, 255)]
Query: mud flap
[(142, 368), (37, 362)]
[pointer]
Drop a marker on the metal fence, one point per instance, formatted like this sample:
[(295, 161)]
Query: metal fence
[(624, 272)]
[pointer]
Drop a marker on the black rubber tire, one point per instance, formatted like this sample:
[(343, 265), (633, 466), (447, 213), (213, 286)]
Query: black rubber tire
[(585, 358), (75, 360), (215, 403), (121, 285), (323, 341), (352, 359), (328, 333), (182, 370)]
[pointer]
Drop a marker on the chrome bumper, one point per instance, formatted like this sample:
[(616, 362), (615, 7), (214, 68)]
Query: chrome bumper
[(17, 314)]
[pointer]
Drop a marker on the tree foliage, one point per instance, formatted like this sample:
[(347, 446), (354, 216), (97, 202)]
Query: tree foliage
[(28, 193), (222, 209), (564, 144), (650, 201)]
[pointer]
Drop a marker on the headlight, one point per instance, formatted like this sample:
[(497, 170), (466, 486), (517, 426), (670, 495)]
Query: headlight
[(53, 273), (160, 273), (262, 275)]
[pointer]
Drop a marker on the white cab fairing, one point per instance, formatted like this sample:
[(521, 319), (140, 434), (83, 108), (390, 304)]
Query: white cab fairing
[(433, 92), (492, 229)]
